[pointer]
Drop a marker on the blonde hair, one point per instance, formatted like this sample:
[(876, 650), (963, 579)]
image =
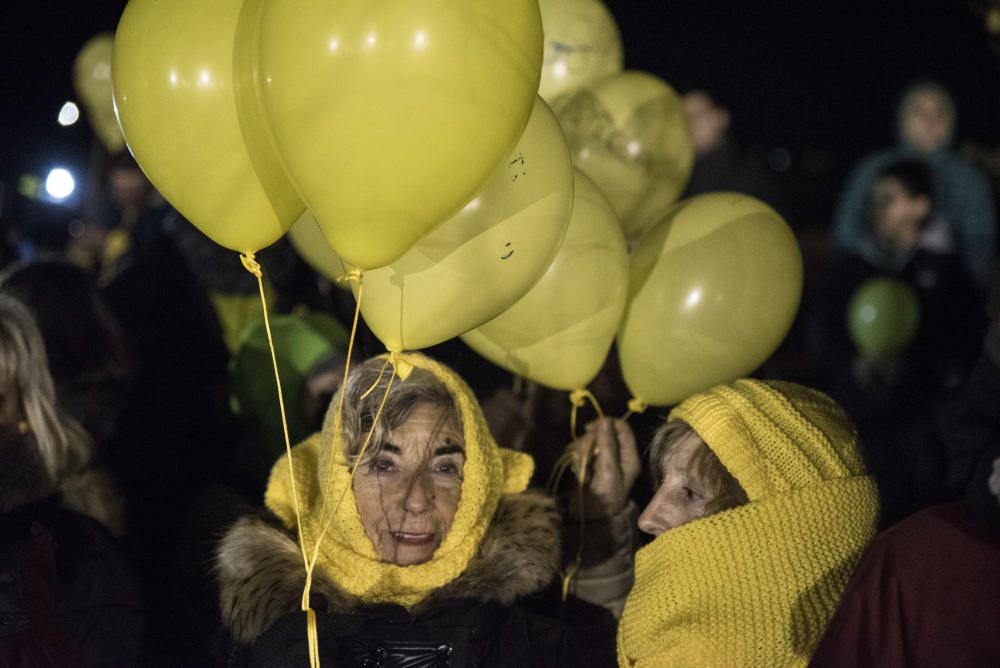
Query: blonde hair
[(23, 364), (726, 491)]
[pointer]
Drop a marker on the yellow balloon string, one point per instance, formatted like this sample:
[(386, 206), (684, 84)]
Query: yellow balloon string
[(578, 398), (251, 265), (312, 630), (325, 522)]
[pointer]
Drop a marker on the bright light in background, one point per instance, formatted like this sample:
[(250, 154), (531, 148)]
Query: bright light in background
[(69, 114), (59, 184), (420, 39)]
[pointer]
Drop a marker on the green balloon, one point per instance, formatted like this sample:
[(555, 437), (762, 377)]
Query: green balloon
[(883, 317)]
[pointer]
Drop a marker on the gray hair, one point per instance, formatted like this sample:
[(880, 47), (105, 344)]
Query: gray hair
[(23, 364), (363, 394)]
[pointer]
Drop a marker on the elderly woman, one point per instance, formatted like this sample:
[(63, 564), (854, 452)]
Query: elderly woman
[(423, 553), (761, 511)]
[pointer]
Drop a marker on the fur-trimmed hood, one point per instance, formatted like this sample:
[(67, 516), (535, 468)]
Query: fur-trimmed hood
[(261, 575)]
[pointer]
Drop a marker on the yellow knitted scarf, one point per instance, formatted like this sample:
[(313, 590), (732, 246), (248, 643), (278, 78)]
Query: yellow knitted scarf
[(346, 554), (757, 584), (751, 586)]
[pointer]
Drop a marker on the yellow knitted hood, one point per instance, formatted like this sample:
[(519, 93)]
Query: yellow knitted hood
[(756, 585), (346, 555)]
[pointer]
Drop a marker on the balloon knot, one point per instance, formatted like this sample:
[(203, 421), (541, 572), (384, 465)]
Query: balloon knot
[(403, 367), (251, 264), (637, 405), (578, 398), (352, 275)]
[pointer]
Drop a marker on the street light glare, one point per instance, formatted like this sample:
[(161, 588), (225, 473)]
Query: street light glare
[(59, 184), (69, 114)]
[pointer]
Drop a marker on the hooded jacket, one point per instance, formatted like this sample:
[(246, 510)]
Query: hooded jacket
[(458, 609), (961, 197)]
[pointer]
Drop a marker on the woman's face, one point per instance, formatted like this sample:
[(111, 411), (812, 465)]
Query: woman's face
[(681, 497), (407, 495)]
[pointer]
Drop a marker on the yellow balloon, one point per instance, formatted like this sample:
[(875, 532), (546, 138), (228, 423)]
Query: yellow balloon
[(582, 45), (195, 132), (467, 270), (713, 290), (559, 333), (390, 115), (92, 81), (312, 246), (629, 134)]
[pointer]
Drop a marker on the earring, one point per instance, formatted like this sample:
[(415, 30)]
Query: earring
[(23, 427)]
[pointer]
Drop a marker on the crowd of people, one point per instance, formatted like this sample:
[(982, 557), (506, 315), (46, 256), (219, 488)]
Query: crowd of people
[(837, 509)]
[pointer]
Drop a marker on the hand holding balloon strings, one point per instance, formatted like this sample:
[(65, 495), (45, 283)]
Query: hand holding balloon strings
[(606, 463)]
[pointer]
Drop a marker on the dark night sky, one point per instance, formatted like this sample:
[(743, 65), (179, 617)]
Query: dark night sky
[(802, 75)]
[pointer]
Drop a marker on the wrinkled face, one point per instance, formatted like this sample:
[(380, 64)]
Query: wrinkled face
[(407, 495), (898, 214), (927, 122), (681, 497)]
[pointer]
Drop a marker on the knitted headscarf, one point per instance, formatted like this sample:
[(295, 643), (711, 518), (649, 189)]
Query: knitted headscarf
[(346, 555), (756, 585)]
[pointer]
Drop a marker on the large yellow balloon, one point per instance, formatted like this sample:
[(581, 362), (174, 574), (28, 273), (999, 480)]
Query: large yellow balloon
[(484, 258), (559, 333), (629, 134), (582, 45), (92, 81), (197, 135), (390, 115), (312, 246), (713, 290)]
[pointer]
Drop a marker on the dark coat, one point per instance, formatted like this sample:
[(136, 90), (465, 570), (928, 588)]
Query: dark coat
[(479, 619), (67, 596)]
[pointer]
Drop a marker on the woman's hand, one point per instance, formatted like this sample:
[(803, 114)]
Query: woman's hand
[(612, 465)]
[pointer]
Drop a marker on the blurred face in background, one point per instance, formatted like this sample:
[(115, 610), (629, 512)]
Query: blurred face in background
[(927, 121), (899, 215), (129, 188), (408, 492), (708, 121)]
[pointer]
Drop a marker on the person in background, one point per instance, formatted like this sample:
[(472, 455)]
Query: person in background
[(926, 124), (68, 597), (720, 164), (87, 356), (927, 592), (914, 243)]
